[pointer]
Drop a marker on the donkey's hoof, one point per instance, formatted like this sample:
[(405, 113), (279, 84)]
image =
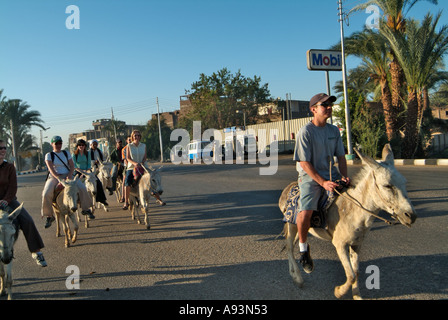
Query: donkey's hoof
[(148, 227), (339, 292)]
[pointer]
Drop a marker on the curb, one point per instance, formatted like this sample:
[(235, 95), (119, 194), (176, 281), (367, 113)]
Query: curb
[(21, 173), (411, 162), (26, 172)]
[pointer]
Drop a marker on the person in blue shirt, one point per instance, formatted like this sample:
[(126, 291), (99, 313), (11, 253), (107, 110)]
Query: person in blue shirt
[(81, 159)]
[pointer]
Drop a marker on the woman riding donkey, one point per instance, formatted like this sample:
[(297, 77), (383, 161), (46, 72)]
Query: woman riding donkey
[(135, 159), (82, 160), (60, 166)]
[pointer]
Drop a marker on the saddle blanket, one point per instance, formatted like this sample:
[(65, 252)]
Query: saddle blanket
[(318, 219)]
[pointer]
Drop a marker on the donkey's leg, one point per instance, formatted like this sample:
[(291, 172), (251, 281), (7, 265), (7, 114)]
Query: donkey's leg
[(78, 216), (354, 259), (8, 282), (104, 207), (145, 209), (57, 216), (342, 250), (294, 271), (66, 229), (75, 227), (2, 279), (134, 209), (86, 223)]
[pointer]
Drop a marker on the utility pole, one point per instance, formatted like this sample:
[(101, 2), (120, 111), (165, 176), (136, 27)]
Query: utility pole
[(344, 80), (113, 123), (160, 131), (13, 142), (327, 78)]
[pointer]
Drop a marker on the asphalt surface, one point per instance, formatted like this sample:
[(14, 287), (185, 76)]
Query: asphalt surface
[(216, 239)]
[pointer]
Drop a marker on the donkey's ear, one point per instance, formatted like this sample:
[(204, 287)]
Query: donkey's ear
[(388, 155), (367, 160), (16, 212)]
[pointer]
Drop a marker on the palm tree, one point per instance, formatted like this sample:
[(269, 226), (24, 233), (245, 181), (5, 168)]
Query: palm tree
[(395, 12), (16, 111), (418, 51), (373, 49)]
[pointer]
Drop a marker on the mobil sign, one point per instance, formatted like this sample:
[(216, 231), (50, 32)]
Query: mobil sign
[(324, 60)]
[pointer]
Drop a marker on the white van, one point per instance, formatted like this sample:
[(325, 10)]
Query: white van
[(196, 150)]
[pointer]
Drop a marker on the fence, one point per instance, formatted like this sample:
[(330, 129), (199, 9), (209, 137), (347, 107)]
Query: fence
[(284, 132), (439, 142)]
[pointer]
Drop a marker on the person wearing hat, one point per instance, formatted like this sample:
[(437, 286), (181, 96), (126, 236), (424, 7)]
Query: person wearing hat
[(60, 166), (317, 143)]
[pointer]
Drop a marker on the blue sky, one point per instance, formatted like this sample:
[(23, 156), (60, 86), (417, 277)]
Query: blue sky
[(127, 53)]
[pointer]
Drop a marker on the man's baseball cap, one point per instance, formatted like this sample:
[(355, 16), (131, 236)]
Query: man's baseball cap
[(56, 139), (321, 97)]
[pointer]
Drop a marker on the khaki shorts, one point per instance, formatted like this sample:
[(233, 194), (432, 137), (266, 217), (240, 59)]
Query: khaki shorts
[(310, 192)]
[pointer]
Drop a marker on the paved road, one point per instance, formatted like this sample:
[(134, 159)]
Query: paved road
[(216, 239)]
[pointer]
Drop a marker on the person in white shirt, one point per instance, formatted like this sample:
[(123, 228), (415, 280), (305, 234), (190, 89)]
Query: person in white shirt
[(135, 157)]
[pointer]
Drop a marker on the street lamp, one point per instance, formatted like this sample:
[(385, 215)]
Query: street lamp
[(344, 81), (41, 144), (244, 117)]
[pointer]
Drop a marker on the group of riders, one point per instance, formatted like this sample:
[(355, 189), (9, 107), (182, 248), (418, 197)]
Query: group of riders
[(128, 162), (316, 144)]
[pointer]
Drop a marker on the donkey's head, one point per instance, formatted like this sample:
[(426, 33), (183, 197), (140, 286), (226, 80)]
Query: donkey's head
[(8, 234), (153, 180), (389, 192), (104, 169), (70, 193), (90, 182)]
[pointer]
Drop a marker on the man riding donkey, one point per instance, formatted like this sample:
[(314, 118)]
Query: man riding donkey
[(317, 144)]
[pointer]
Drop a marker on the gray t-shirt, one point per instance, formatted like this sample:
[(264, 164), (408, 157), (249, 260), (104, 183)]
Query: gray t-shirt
[(319, 145)]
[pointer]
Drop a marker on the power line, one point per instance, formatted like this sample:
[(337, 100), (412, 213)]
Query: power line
[(104, 113)]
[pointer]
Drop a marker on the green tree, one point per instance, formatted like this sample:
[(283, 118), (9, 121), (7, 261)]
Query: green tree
[(17, 112), (367, 126), (150, 137), (216, 98)]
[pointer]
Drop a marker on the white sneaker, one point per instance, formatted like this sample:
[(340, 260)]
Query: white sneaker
[(39, 258)]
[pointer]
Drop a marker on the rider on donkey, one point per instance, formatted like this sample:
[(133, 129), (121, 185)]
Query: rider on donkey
[(316, 145)]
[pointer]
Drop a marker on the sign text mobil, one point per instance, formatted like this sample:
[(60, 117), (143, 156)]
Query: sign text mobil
[(324, 60)]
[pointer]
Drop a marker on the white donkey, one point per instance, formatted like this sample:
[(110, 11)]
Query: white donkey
[(379, 186), (8, 236), (91, 186), (66, 205), (149, 184)]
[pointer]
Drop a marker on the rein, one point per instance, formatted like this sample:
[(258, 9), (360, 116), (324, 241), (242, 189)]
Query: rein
[(353, 200)]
